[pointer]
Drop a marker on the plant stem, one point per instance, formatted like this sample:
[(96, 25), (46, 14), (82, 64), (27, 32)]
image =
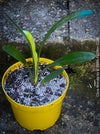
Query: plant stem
[(30, 72)]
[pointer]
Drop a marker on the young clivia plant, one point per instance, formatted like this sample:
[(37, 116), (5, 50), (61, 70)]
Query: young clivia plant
[(35, 98), (70, 58)]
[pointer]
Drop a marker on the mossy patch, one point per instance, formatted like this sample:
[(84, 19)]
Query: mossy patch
[(85, 45)]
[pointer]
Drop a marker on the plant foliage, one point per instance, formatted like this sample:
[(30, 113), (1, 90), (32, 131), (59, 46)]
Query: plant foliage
[(71, 58)]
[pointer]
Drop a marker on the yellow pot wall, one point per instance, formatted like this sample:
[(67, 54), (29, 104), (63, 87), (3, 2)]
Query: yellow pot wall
[(35, 118)]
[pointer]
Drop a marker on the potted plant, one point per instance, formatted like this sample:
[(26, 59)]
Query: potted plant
[(36, 87)]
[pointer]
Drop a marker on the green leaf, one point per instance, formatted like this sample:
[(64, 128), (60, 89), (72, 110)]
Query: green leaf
[(52, 75), (34, 53), (67, 18), (31, 43), (20, 30), (73, 58), (14, 23), (15, 53)]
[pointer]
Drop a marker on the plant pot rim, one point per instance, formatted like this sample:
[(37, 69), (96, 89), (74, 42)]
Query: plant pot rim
[(19, 64)]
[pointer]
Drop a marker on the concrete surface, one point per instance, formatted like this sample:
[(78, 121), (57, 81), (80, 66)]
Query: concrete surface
[(38, 16), (88, 27)]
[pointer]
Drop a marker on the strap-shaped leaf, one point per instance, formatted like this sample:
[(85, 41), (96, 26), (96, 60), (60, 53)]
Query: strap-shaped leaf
[(34, 53), (73, 58), (67, 18), (52, 75), (31, 43), (14, 53), (14, 23), (18, 28)]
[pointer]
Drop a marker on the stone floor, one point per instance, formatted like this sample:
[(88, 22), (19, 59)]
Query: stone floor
[(38, 16), (81, 106)]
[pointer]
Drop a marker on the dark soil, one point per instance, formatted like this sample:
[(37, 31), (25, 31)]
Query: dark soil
[(20, 88)]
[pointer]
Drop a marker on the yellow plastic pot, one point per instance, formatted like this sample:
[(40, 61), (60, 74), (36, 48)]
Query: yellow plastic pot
[(35, 118)]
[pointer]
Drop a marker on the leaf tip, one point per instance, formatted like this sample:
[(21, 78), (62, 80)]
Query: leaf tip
[(84, 13)]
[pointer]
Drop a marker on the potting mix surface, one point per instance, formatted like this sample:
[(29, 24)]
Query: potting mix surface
[(19, 87)]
